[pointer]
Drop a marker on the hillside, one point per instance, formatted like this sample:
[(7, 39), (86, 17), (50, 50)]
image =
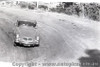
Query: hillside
[(63, 37)]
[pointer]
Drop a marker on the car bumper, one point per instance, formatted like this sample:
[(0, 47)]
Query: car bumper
[(26, 45)]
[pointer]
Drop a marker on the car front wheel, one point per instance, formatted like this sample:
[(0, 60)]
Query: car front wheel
[(15, 44)]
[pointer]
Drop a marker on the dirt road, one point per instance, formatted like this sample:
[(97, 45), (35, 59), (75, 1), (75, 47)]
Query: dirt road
[(61, 37)]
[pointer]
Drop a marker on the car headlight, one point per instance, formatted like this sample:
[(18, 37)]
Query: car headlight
[(36, 41), (37, 38), (17, 38)]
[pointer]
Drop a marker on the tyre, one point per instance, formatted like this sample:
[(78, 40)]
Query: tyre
[(15, 44)]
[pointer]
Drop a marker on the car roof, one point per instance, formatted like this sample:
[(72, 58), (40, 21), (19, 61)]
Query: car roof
[(31, 21)]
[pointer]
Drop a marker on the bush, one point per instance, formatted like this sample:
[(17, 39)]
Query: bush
[(90, 10), (53, 9), (31, 6), (43, 6), (23, 4)]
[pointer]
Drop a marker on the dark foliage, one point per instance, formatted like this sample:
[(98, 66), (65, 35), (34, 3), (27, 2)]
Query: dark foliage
[(93, 59), (23, 4), (42, 6), (30, 6), (89, 10)]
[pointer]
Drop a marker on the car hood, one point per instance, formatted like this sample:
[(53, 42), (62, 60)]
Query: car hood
[(27, 32)]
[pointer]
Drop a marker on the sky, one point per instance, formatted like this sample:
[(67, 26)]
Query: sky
[(64, 0), (3, 0), (58, 0)]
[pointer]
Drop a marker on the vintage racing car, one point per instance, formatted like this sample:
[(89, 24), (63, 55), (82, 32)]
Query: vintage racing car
[(26, 34)]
